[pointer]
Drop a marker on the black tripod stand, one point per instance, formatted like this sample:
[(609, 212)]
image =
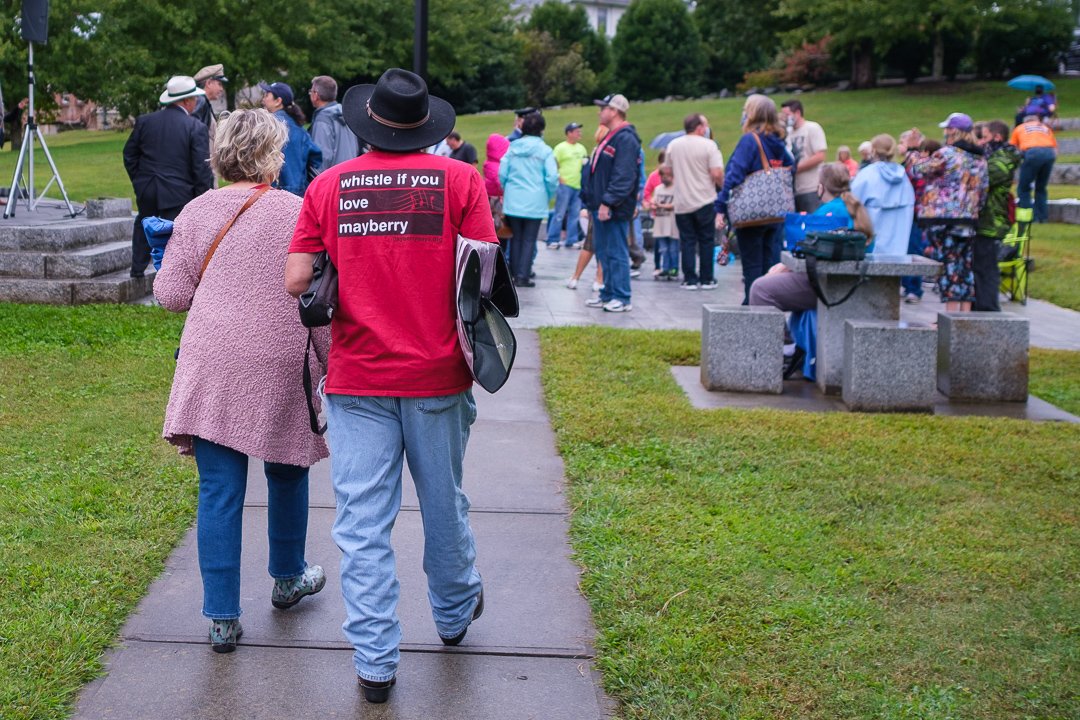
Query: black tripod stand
[(26, 158)]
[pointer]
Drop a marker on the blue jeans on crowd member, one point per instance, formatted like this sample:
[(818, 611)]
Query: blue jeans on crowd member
[(222, 485), (668, 249), (522, 246), (567, 207), (369, 437), (697, 233), (610, 243), (1035, 169), (758, 251), (912, 284)]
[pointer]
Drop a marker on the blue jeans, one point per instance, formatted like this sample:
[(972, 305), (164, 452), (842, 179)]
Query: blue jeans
[(369, 436), (567, 207), (759, 249), (222, 484), (697, 231), (522, 246), (912, 284), (1035, 169), (668, 250), (610, 243)]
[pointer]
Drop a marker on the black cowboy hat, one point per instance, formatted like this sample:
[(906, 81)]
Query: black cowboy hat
[(396, 113)]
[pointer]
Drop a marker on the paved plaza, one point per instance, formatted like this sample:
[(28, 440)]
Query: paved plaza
[(529, 656)]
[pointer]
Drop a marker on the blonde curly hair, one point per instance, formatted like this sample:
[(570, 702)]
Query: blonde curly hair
[(248, 146)]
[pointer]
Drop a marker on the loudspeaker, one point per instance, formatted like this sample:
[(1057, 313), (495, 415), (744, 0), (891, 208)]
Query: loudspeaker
[(35, 21)]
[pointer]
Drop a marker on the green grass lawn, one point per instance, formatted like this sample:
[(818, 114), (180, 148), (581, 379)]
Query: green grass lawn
[(767, 564), (1056, 249), (92, 501)]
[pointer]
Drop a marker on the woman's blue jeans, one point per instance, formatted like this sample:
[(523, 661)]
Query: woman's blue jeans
[(1035, 169), (222, 485), (759, 249), (369, 437)]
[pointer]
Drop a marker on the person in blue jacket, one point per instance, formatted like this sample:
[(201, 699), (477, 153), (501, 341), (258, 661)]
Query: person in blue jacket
[(529, 176), (884, 189), (759, 245), (609, 189), (300, 151)]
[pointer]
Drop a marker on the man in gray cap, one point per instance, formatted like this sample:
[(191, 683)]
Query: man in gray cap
[(167, 158), (210, 79)]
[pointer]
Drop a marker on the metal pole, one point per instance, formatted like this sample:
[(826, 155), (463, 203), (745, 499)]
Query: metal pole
[(420, 37), (31, 126)]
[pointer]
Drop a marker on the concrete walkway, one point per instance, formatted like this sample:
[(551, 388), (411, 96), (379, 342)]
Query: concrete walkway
[(529, 656)]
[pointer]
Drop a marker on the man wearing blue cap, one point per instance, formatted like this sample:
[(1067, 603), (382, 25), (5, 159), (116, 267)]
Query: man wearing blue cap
[(303, 158), (570, 155)]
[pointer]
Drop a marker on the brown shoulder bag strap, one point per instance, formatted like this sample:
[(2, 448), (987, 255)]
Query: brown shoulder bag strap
[(259, 190)]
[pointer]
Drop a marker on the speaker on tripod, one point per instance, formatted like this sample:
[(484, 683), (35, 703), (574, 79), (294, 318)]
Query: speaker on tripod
[(34, 26), (35, 21)]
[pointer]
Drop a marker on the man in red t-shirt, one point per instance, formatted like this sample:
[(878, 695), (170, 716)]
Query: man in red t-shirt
[(397, 382)]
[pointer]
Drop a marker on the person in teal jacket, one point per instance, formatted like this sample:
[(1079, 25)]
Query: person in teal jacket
[(530, 179)]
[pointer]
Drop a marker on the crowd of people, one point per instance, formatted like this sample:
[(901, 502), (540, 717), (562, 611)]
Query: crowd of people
[(383, 184), (948, 200)]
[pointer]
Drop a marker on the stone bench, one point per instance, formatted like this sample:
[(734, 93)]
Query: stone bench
[(878, 299), (742, 348), (983, 356), (888, 366)]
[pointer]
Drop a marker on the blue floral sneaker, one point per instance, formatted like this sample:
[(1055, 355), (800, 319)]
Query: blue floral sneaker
[(224, 634), (289, 591)]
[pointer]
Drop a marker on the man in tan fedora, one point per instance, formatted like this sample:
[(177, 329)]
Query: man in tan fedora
[(167, 158), (398, 385)]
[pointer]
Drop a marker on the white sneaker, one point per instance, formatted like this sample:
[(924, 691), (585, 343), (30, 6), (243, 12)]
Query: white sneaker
[(594, 302), (572, 283), (709, 285), (688, 285), (617, 306), (912, 299), (597, 286), (635, 273)]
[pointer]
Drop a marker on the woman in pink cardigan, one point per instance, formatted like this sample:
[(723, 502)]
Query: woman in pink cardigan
[(237, 391)]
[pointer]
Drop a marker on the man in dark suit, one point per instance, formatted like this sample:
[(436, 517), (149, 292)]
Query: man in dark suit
[(167, 158)]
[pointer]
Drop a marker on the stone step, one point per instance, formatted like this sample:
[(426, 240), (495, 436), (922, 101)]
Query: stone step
[(85, 262), (68, 234), (1065, 174), (115, 287)]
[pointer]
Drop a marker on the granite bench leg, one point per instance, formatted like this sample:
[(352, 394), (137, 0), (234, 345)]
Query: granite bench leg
[(888, 367), (878, 299), (742, 348), (983, 356)]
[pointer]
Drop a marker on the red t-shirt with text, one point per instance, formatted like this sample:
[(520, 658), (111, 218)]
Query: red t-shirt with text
[(390, 223)]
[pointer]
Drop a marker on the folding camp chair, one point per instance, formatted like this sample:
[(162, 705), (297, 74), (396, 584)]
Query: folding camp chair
[(1015, 257)]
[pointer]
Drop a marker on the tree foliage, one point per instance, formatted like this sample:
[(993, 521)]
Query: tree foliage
[(564, 59), (658, 50), (120, 52), (738, 37)]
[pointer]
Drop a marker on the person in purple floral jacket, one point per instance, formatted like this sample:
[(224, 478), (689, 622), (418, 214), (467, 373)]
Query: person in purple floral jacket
[(956, 187)]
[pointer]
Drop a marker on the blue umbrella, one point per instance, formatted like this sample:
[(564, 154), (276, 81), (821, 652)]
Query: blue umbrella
[(1027, 83), (662, 140)]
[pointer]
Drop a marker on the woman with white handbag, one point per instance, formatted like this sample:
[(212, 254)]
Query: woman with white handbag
[(758, 190)]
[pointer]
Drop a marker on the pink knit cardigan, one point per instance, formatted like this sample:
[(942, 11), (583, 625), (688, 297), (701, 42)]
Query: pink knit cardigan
[(238, 378)]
